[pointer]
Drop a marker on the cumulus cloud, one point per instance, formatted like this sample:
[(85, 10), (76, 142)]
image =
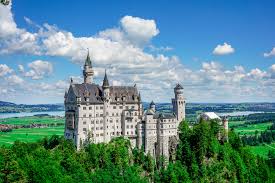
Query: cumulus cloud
[(257, 73), (39, 69), (123, 50), (139, 30), (14, 79), (4, 70), (224, 49), (270, 54)]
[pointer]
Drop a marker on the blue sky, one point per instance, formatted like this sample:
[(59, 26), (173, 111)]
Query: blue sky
[(155, 44)]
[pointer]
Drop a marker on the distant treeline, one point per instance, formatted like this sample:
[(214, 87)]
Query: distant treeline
[(7, 107)]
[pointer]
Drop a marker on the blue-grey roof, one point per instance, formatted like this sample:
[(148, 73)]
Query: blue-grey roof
[(95, 93)]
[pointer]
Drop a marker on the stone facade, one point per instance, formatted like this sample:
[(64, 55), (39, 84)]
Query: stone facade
[(96, 114)]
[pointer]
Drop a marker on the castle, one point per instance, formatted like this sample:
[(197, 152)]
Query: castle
[(97, 114)]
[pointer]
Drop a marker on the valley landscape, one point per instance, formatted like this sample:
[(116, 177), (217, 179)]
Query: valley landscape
[(137, 91), (246, 119)]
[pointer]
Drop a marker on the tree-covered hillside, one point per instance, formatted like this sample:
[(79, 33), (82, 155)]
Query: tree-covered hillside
[(200, 157)]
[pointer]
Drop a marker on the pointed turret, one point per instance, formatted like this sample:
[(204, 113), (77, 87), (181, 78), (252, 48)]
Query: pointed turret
[(153, 106), (105, 81), (88, 61), (88, 70)]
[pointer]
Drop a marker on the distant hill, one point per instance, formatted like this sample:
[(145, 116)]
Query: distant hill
[(2, 103), (191, 108), (9, 107)]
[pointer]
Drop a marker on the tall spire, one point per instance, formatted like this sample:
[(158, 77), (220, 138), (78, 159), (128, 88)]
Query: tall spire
[(88, 61), (88, 70), (105, 80)]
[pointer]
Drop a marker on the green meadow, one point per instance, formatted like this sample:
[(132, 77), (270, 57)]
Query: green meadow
[(251, 128), (31, 134), (32, 120)]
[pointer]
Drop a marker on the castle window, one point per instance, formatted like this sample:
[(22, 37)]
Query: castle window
[(96, 122), (90, 115), (101, 134), (84, 108), (101, 121), (84, 129), (84, 122), (84, 115), (117, 114), (127, 133), (135, 113), (132, 126), (101, 115), (97, 135), (127, 107), (90, 108), (117, 133), (114, 107), (96, 128), (132, 132), (96, 115), (101, 107), (133, 107), (101, 128), (127, 126), (96, 107), (121, 107)]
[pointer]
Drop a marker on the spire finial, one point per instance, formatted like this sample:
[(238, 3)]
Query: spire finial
[(88, 61), (105, 80), (72, 80)]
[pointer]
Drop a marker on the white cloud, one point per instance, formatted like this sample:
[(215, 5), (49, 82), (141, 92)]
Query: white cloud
[(272, 68), (7, 26), (14, 79), (39, 69), (271, 53), (224, 49), (21, 68), (257, 74), (139, 30), (122, 49), (4, 70)]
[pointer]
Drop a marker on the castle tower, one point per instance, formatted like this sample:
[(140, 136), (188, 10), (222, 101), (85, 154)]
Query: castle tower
[(225, 126), (153, 106), (179, 103), (88, 71), (106, 107)]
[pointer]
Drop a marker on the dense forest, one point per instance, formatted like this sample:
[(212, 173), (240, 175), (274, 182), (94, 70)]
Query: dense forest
[(200, 157)]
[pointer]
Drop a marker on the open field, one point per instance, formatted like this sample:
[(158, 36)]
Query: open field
[(262, 150), (235, 123), (32, 120), (251, 128), (29, 134)]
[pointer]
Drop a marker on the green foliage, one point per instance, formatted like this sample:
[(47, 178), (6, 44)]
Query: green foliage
[(200, 157)]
